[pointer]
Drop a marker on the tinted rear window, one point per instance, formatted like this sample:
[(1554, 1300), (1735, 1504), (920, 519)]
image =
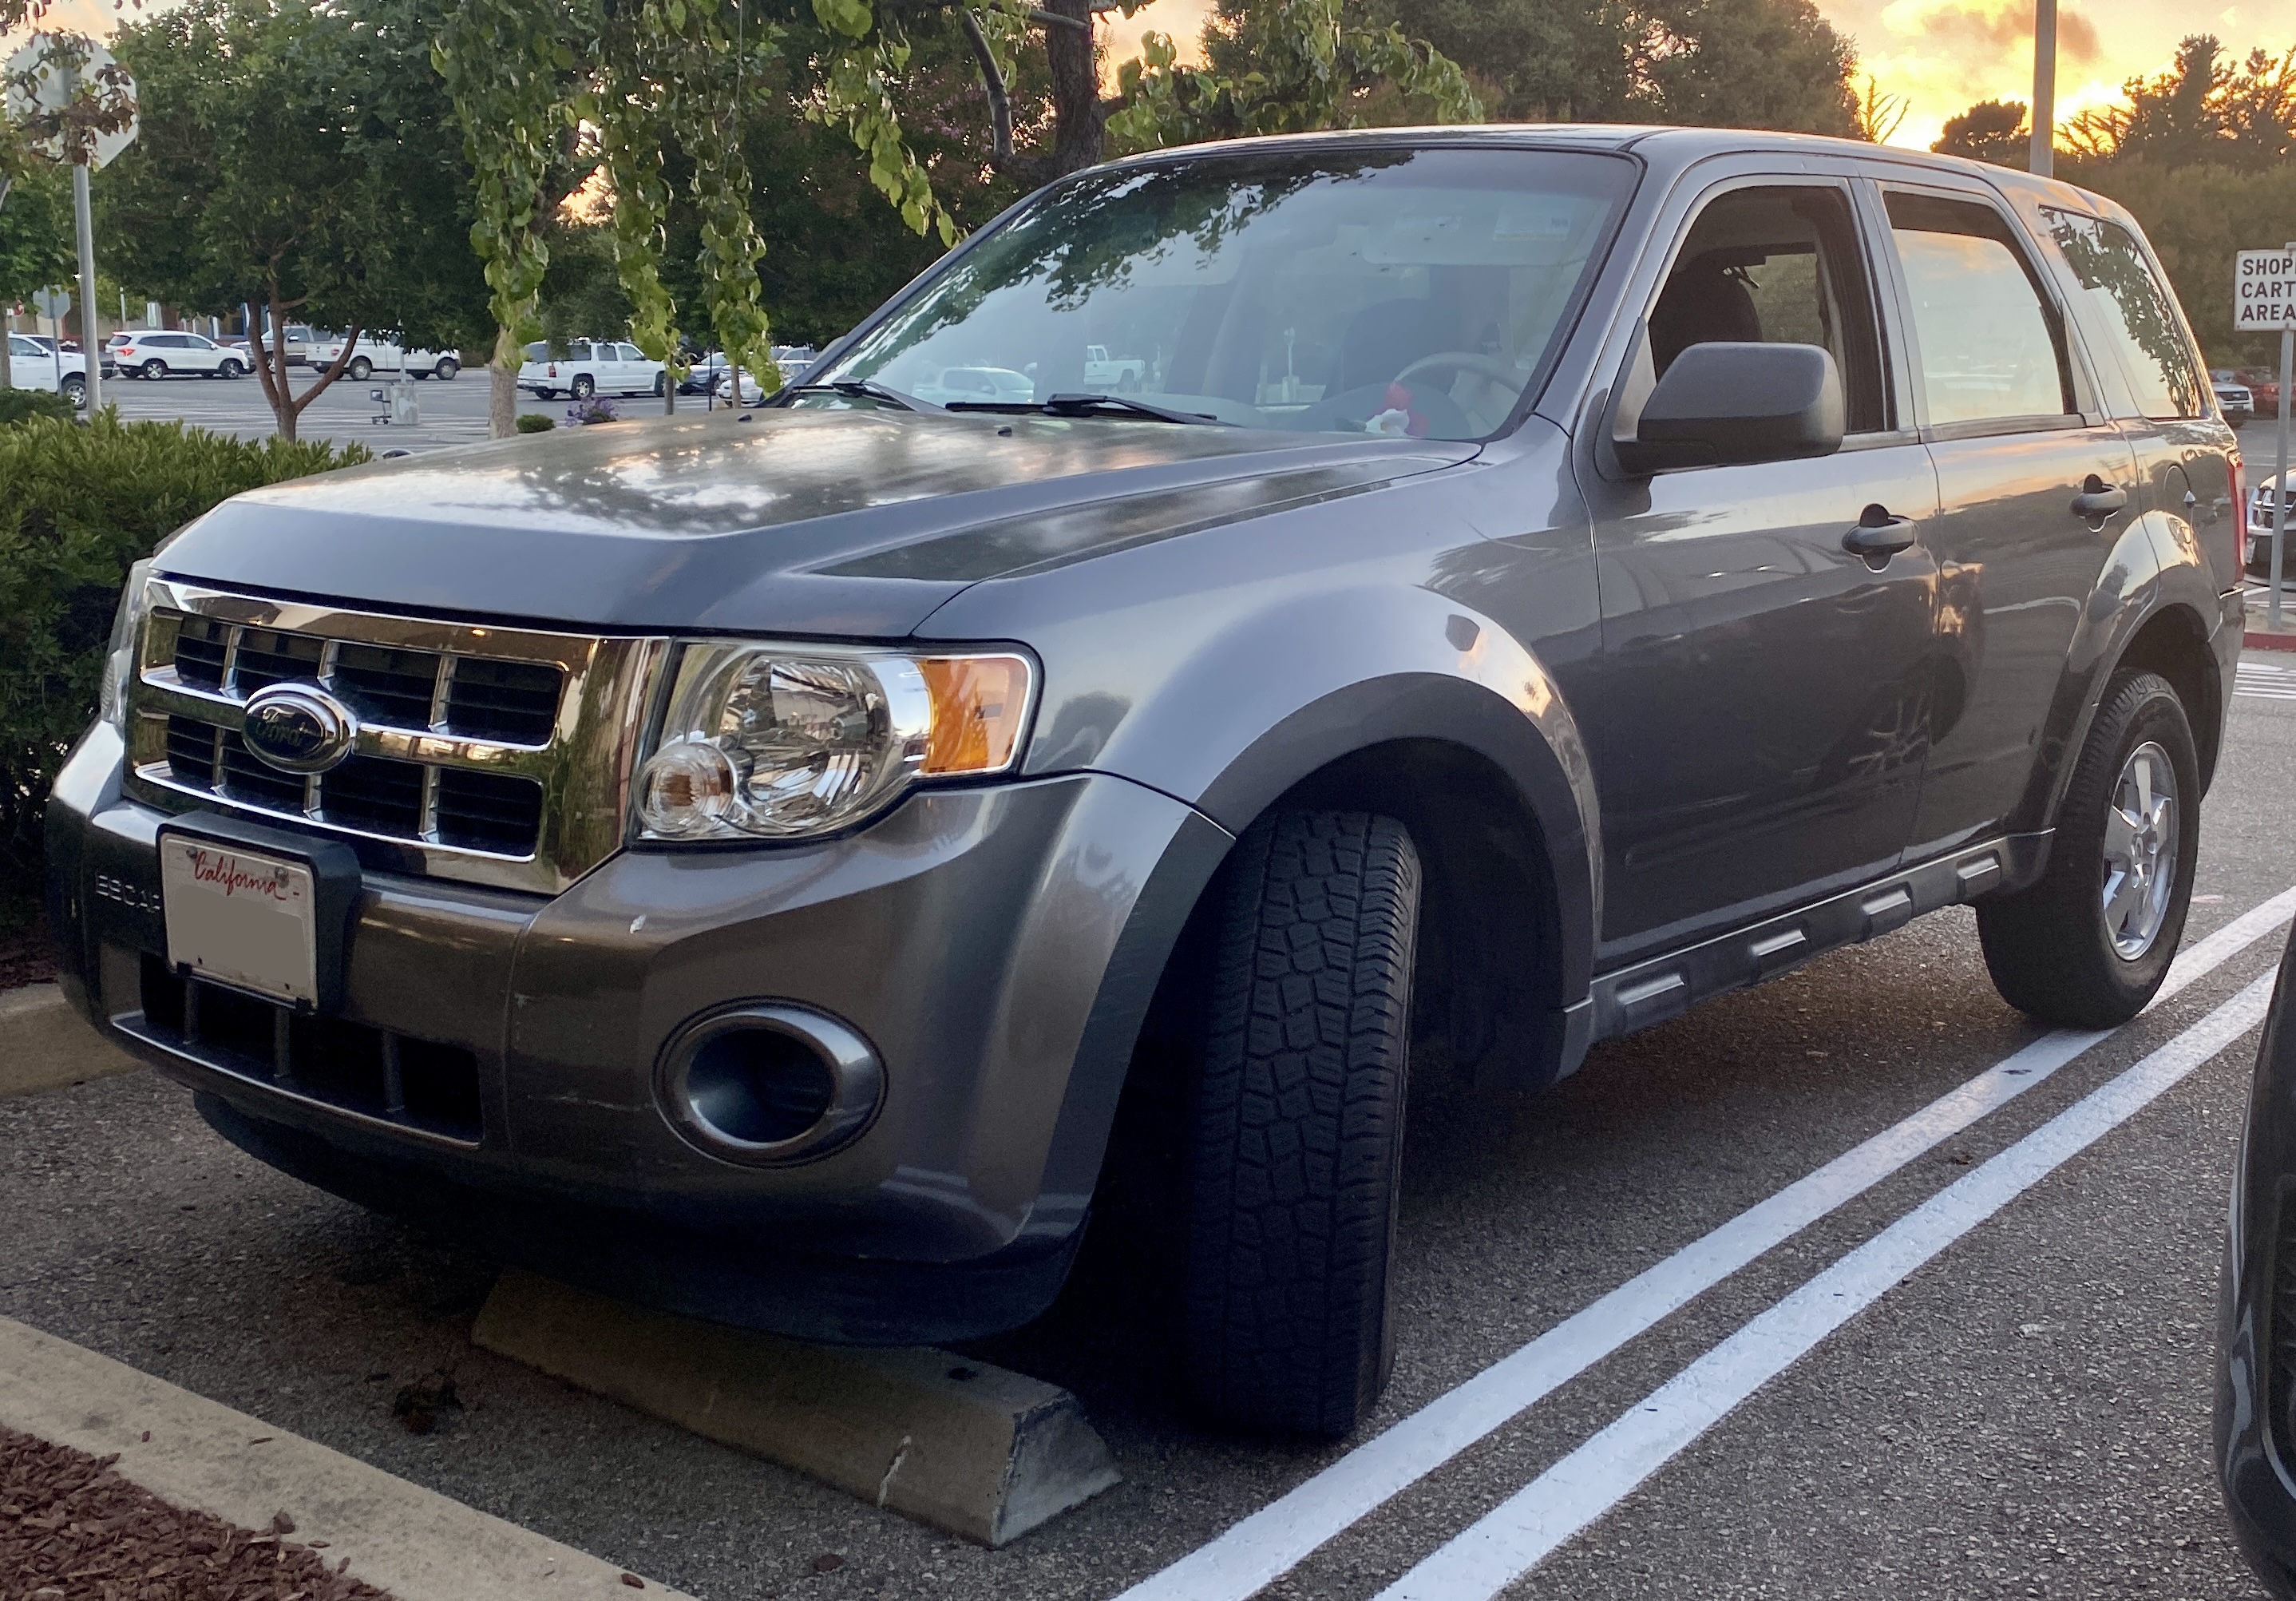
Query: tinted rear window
[(2127, 302)]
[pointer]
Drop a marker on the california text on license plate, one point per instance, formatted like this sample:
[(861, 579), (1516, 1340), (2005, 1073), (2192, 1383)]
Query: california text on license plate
[(240, 917)]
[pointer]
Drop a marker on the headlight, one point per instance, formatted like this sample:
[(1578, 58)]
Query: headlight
[(119, 658), (774, 741)]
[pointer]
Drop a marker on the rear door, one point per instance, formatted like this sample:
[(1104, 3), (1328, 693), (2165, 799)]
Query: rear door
[(2035, 483), (1763, 691), (2154, 384)]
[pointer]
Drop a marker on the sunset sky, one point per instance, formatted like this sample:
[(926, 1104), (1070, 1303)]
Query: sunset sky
[(1940, 54)]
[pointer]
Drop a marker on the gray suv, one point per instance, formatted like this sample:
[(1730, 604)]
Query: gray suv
[(1538, 579)]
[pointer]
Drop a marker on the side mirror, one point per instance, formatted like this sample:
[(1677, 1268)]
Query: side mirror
[(1728, 404)]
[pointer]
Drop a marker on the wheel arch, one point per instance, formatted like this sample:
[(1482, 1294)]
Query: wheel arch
[(2147, 610)]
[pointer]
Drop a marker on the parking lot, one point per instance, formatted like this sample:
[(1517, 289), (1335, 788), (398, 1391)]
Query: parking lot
[(2026, 1413), (451, 412), (1773, 1300)]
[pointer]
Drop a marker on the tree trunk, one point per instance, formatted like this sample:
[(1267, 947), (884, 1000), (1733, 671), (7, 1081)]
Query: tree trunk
[(502, 382), (1079, 119)]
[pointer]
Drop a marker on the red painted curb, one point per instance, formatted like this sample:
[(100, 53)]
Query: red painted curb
[(2269, 641)]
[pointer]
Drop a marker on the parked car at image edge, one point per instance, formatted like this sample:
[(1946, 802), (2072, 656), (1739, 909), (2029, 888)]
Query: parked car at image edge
[(591, 368), (35, 364), (796, 868), (69, 351), (155, 353), (2256, 1325)]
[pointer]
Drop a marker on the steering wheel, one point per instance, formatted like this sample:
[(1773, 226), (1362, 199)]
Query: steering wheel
[(1462, 361)]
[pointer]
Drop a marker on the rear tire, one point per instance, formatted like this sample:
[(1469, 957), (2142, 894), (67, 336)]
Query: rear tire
[(361, 369), (2087, 946), (154, 369), (1296, 1124), (583, 387), (447, 368)]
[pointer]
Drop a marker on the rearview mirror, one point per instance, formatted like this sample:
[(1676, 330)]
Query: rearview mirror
[(1732, 404)]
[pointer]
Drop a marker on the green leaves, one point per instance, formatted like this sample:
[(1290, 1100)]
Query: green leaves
[(78, 504), (1280, 66)]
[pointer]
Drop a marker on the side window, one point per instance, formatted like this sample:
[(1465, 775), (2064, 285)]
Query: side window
[(1991, 349), (1777, 266), (579, 350), (2134, 312), (632, 353)]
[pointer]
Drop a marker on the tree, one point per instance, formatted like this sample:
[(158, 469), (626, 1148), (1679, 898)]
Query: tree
[(1281, 67), (1533, 60), (1991, 130), (287, 165), (1746, 64), (1751, 63), (36, 248)]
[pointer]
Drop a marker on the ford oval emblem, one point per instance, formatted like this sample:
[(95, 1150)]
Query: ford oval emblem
[(298, 727)]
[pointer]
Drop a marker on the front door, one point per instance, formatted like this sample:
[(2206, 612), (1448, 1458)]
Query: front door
[(1764, 691), (2036, 486)]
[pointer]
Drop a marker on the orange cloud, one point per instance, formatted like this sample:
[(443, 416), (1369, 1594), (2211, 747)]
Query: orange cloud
[(2005, 28)]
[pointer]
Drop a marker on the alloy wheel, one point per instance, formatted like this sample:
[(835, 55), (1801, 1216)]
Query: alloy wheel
[(2140, 851)]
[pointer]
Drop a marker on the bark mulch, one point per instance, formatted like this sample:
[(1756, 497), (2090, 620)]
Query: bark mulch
[(25, 957), (72, 1530)]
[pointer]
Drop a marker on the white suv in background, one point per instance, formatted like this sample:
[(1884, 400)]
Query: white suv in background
[(34, 366), (175, 353), (382, 353), (602, 366)]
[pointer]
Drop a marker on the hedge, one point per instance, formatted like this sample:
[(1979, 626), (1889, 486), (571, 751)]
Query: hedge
[(78, 504)]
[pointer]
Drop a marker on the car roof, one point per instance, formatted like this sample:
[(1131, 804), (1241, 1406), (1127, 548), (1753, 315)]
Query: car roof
[(1657, 144)]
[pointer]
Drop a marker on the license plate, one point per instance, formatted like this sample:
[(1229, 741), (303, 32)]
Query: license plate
[(241, 917)]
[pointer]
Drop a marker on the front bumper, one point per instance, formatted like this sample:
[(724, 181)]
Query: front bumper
[(997, 947)]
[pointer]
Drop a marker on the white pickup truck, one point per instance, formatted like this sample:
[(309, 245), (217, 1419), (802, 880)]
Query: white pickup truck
[(1123, 374)]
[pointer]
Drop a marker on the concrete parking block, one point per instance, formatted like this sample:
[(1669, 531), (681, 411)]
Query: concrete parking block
[(413, 1542), (980, 1451), (44, 1043)]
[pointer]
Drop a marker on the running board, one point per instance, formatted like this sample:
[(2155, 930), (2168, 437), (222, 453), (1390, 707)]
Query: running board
[(1665, 987)]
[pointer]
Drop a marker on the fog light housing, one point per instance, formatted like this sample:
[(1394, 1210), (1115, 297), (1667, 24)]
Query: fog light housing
[(763, 1084)]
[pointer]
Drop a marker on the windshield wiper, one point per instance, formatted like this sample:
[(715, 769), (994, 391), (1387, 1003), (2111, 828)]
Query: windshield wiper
[(1082, 405), (868, 389)]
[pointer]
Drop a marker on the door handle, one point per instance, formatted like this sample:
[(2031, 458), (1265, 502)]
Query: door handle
[(1879, 533), (2098, 498)]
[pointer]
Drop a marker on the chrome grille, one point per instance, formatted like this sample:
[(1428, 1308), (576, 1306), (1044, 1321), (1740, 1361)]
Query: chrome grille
[(495, 756)]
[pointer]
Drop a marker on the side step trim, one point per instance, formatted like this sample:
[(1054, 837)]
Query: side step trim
[(1664, 987)]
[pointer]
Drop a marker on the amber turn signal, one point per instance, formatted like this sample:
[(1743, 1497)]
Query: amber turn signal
[(980, 704)]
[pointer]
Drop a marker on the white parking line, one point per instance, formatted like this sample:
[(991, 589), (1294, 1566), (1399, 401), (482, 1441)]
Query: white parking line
[(2265, 681), (1523, 1530), (1273, 1540)]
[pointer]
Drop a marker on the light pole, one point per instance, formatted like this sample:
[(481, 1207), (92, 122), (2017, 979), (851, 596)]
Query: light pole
[(2043, 160)]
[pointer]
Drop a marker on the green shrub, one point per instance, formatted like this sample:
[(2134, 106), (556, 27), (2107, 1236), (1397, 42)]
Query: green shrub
[(78, 504), (16, 405), (534, 422)]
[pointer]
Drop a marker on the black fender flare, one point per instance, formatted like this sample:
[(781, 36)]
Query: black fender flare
[(2154, 567)]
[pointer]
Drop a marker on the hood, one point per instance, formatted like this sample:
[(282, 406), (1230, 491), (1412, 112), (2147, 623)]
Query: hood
[(832, 522)]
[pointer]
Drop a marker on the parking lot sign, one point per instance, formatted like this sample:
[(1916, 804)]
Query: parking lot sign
[(2263, 291)]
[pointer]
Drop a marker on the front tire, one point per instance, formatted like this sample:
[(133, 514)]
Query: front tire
[(2087, 946), (1296, 1125), (75, 389), (230, 369)]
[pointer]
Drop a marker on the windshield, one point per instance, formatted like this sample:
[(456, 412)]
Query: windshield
[(1400, 291)]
